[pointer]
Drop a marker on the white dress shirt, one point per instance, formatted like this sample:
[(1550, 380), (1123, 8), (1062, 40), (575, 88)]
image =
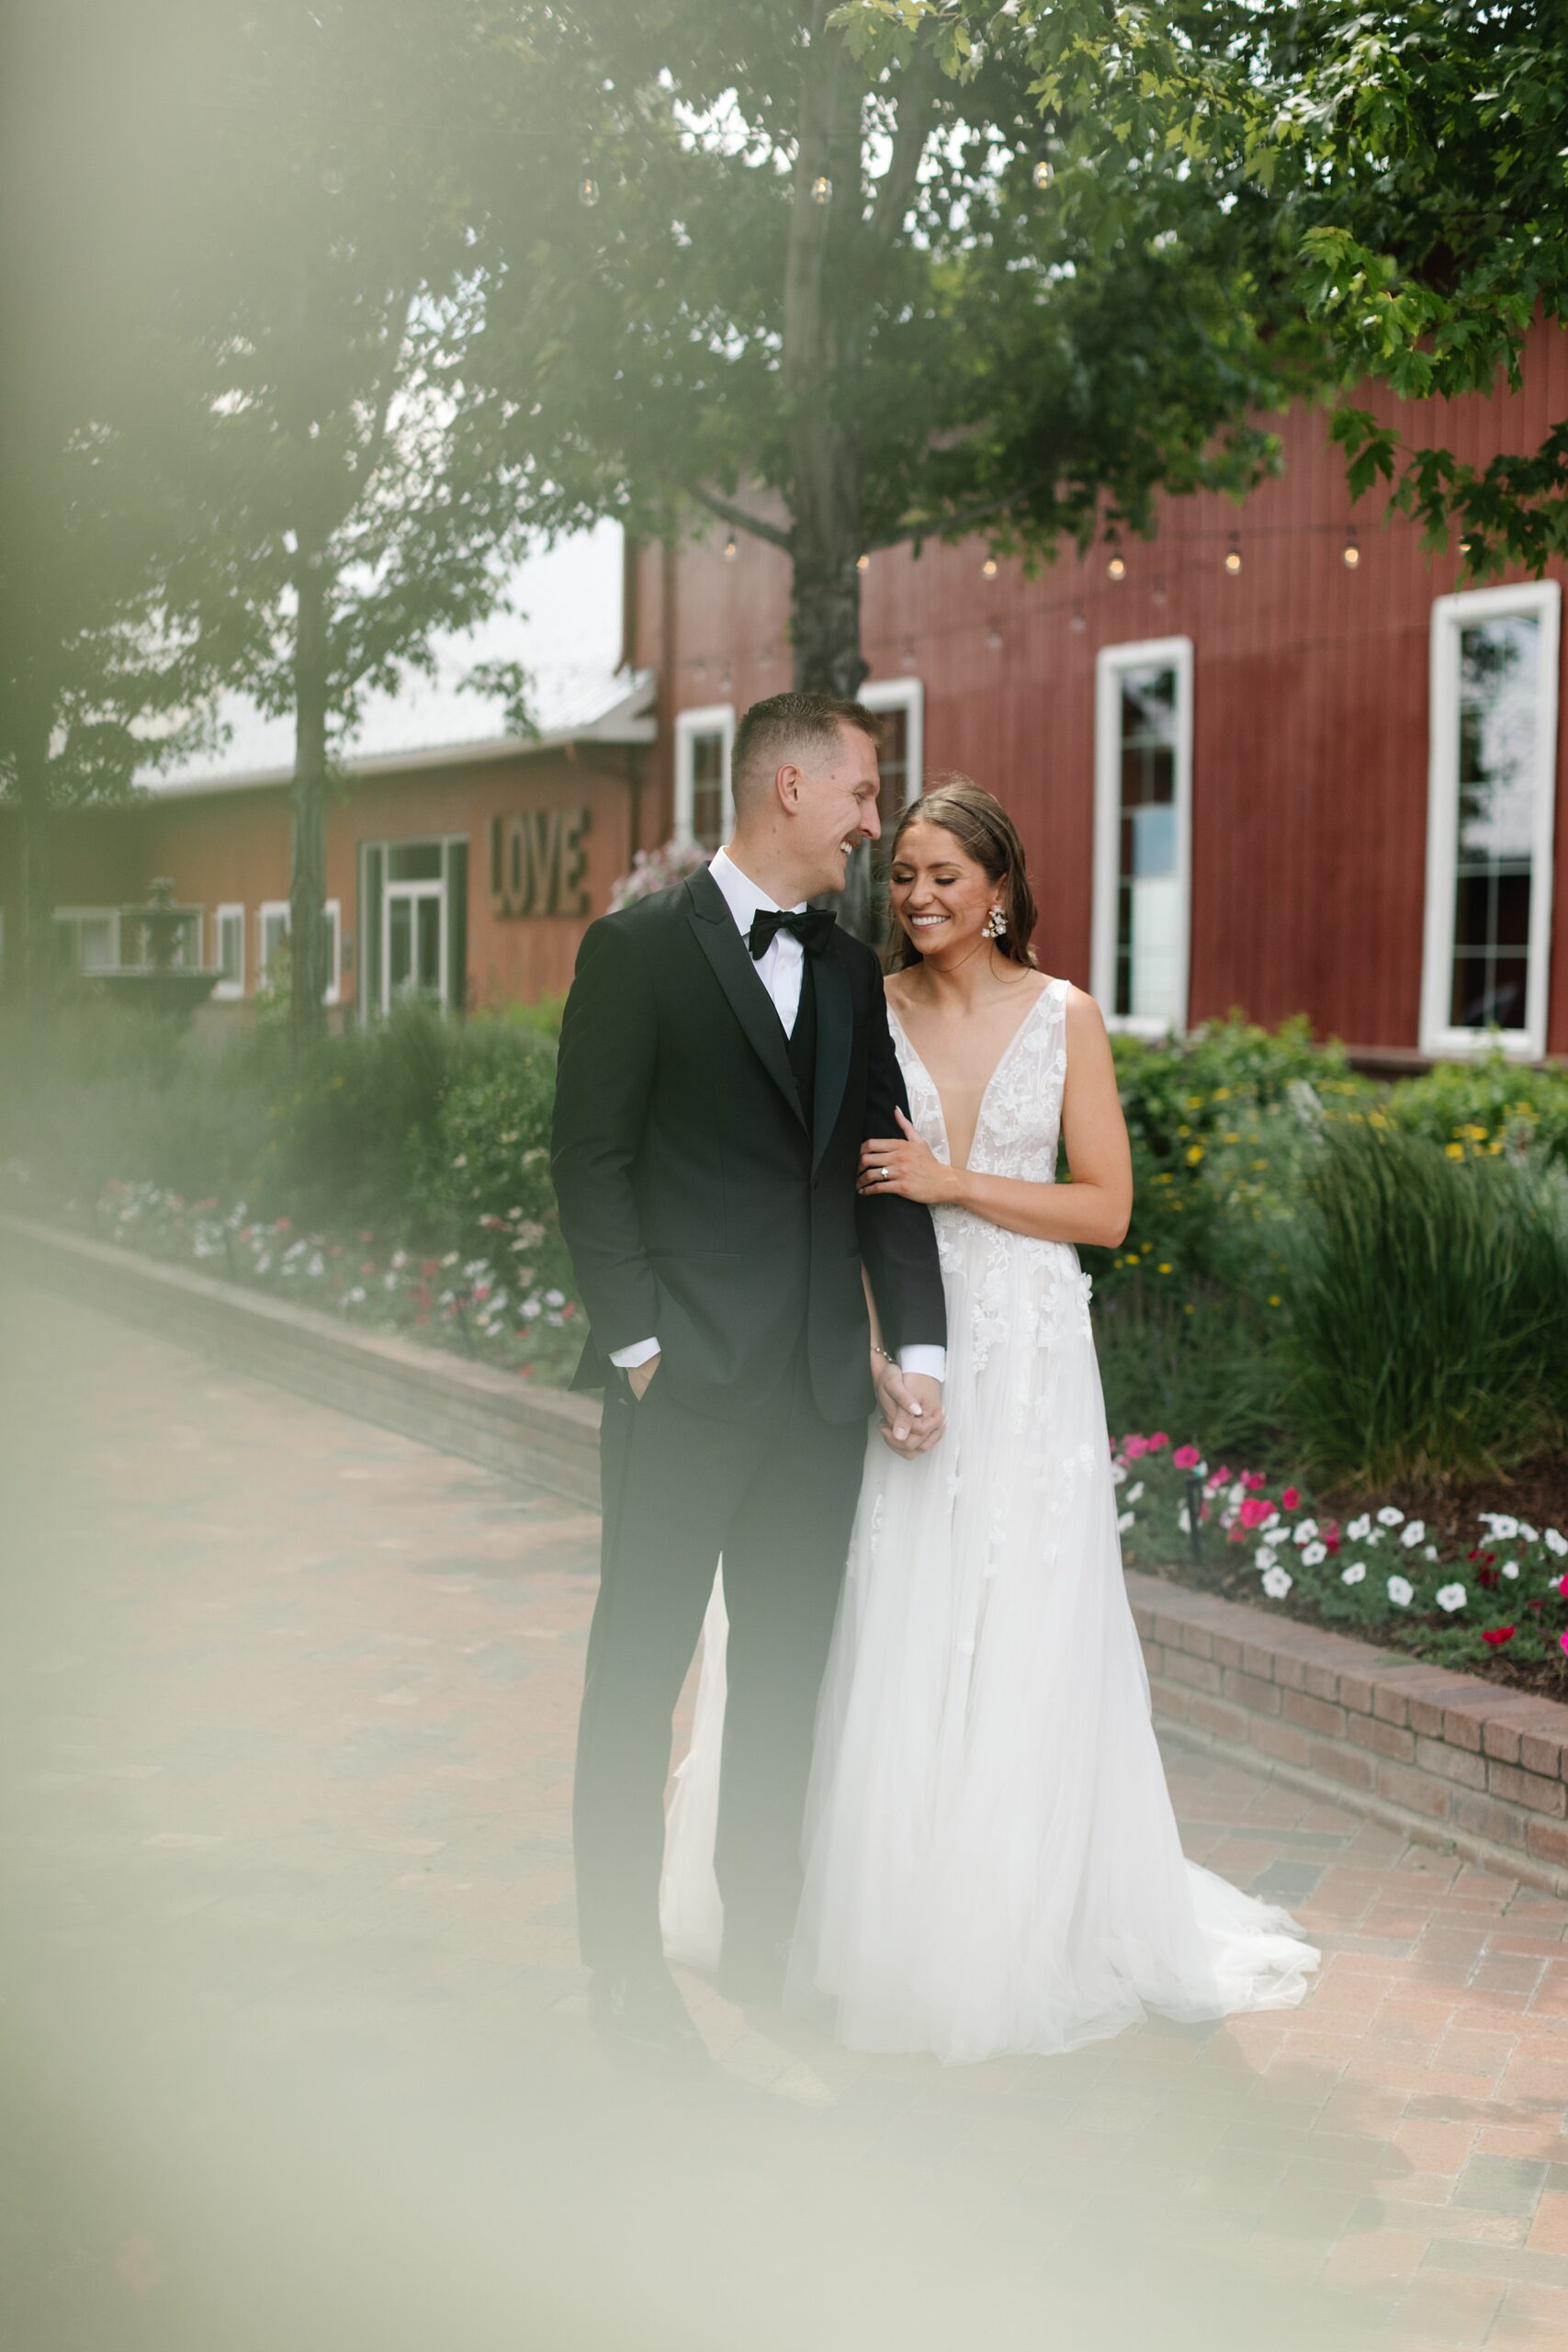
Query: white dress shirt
[(780, 968)]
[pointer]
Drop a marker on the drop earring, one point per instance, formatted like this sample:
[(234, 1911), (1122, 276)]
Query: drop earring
[(994, 925)]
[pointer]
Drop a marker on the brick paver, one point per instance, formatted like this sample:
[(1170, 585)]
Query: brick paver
[(294, 2033)]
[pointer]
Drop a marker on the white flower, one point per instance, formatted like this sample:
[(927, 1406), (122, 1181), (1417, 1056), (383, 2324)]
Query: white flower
[(1529, 1534), (1376, 1534), (1556, 1542), (1354, 1573), (1264, 1557), (1401, 1593), (555, 1298), (1118, 1474), (1315, 1554), (1184, 1521), (1502, 1527), (1360, 1529), (529, 1308), (1237, 1494), (1273, 1520), (1413, 1533), (1510, 1568), (1390, 1515), (1124, 1522), (1450, 1596), (1133, 1494), (1305, 1529), (356, 1296), (1429, 1552), (1277, 1583)]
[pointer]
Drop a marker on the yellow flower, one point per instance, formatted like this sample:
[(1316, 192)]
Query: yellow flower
[(1221, 1094), (1195, 1101), (1273, 1298), (1454, 1150), (1165, 1268), (1188, 1309), (1230, 1138), (1194, 1154), (1184, 1130)]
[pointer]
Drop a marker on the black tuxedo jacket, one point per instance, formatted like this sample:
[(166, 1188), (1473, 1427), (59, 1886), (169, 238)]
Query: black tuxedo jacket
[(699, 1204)]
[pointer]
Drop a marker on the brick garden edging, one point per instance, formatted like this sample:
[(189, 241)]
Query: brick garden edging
[(1446, 1758), (538, 1434), (1449, 1759)]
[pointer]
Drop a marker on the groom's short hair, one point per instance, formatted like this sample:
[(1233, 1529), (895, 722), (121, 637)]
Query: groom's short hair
[(793, 728)]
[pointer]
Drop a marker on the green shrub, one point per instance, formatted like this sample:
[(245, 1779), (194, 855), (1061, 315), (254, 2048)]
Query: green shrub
[(1486, 1107), (1424, 1307), (482, 1181)]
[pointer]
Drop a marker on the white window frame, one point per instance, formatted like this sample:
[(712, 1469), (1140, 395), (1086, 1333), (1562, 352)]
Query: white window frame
[(96, 914), (1171, 654), (268, 907), (1541, 600), (906, 694), (713, 718), (333, 909), (229, 908)]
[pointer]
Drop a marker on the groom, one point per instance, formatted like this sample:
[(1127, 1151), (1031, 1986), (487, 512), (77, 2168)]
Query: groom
[(724, 1052)]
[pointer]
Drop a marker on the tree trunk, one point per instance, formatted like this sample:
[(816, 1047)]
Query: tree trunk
[(41, 973), (307, 803)]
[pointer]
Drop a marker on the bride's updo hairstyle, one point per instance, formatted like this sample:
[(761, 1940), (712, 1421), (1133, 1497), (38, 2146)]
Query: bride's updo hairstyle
[(979, 824)]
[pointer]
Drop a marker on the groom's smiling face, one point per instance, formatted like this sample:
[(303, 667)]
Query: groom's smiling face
[(835, 808)]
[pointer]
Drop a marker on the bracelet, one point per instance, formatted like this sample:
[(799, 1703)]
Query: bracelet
[(883, 1353)]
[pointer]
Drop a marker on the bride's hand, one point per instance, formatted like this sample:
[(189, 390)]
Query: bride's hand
[(906, 1165)]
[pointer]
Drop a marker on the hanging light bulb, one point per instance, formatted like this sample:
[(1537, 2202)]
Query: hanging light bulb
[(863, 563), (587, 185), (1045, 172), (1233, 554), (1350, 553), (1116, 563), (730, 549), (821, 188), (989, 568), (1080, 618), (1158, 592), (994, 637), (908, 660)]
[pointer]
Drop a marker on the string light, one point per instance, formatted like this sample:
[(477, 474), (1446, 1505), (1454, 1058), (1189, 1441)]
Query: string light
[(1080, 618), (1045, 172), (1116, 562), (863, 563), (989, 567), (588, 186), (1350, 553), (821, 188), (1233, 554), (994, 637), (1158, 592), (730, 549), (909, 659)]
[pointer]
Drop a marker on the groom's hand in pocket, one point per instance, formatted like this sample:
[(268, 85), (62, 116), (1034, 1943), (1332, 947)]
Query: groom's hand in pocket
[(639, 1380), (912, 1416)]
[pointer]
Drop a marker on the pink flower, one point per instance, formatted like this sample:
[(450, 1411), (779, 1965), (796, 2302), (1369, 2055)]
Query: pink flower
[(1237, 1533), (1161, 1437), (1252, 1480), (1290, 1499), (1186, 1457), (1133, 1447), (1562, 1586), (1563, 1644), (1255, 1510)]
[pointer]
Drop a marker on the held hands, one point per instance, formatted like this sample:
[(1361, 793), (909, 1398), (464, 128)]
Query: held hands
[(906, 1165), (910, 1403)]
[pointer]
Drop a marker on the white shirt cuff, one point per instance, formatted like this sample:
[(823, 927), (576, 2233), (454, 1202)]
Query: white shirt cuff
[(640, 1351), (924, 1361)]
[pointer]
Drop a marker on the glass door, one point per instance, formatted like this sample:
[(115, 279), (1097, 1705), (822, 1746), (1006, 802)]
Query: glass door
[(413, 962)]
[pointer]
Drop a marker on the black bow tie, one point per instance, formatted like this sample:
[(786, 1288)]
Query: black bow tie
[(813, 927)]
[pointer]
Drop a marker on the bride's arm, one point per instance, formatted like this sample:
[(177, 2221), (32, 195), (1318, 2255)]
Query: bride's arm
[(1097, 1206)]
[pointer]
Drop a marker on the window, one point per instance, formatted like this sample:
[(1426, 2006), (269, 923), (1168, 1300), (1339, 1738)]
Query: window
[(704, 808), (1489, 819), (275, 924), (87, 939), (1143, 833), (414, 923), (229, 943)]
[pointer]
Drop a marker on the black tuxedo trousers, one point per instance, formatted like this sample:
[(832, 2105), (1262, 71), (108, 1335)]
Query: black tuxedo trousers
[(704, 1164)]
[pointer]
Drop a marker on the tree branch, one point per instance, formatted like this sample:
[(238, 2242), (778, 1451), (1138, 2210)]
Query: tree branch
[(916, 113), (370, 457), (773, 533)]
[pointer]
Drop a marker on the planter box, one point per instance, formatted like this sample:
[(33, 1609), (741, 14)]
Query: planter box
[(539, 1435), (1444, 1758)]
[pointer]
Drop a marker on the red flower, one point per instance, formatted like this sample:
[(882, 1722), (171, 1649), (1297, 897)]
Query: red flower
[(1255, 1510), (1497, 1635), (283, 1225), (1186, 1457), (1252, 1480), (1562, 1586), (1161, 1437), (1487, 1576), (1290, 1499)]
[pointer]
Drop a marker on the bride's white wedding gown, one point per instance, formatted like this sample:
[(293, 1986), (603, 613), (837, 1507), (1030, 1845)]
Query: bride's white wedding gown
[(992, 1863)]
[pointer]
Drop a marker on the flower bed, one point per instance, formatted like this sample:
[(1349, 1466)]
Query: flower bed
[(1497, 1605), (492, 1309)]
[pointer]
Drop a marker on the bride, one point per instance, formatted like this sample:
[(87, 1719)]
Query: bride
[(992, 1863)]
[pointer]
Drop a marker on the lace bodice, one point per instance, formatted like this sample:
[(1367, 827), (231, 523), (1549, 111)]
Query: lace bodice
[(1019, 1120)]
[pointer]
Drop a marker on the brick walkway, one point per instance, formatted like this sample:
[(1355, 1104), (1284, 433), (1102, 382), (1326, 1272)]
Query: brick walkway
[(293, 2030)]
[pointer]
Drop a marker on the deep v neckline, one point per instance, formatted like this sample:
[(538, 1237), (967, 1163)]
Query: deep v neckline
[(996, 1068)]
